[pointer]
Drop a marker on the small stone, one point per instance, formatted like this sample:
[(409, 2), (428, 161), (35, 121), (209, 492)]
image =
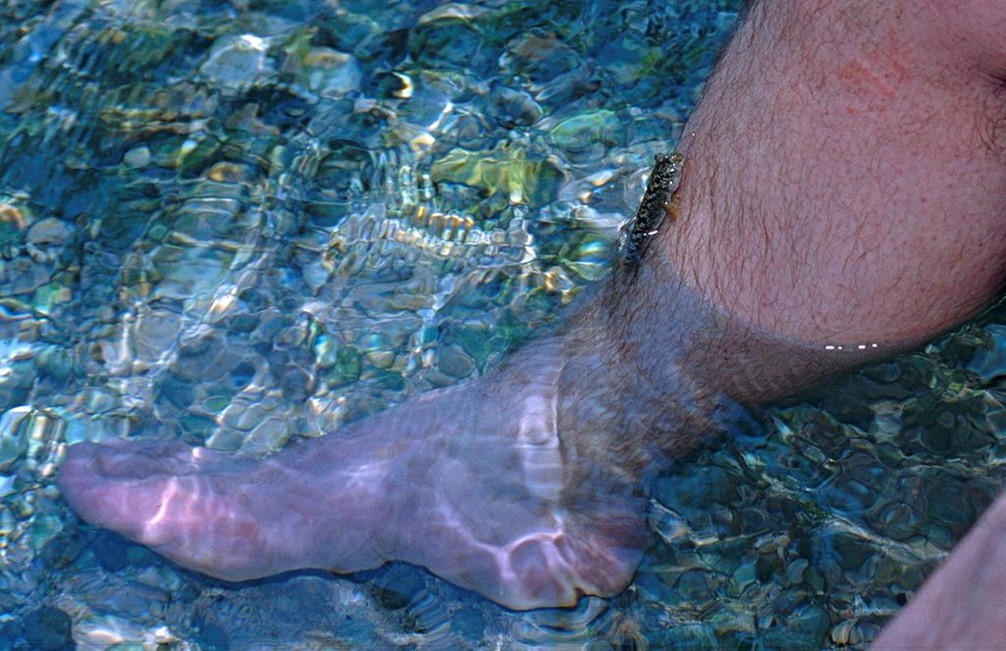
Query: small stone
[(110, 550), (48, 629), (10, 214), (238, 62), (795, 571), (46, 238), (846, 633), (469, 623), (136, 158), (6, 485), (456, 363), (63, 549)]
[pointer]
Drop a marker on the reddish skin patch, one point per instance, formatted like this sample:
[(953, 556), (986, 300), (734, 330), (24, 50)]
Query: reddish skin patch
[(864, 83), (872, 81)]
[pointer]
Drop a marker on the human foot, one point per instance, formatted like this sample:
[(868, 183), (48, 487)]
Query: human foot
[(528, 486), (229, 517), (472, 482)]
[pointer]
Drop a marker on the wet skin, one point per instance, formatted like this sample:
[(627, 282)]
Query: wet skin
[(471, 482), (842, 199), (528, 486)]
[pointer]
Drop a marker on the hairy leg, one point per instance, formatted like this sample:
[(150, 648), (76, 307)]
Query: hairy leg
[(838, 202), (864, 155), (845, 187), (843, 183)]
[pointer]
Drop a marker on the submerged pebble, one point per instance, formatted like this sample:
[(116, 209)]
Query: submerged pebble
[(238, 62), (48, 629)]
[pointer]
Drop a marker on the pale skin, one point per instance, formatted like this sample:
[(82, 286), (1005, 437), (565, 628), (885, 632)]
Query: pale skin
[(840, 201)]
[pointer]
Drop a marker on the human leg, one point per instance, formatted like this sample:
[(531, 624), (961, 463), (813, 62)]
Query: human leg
[(844, 183), (800, 225)]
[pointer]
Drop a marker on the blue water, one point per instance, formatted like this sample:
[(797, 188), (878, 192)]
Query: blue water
[(242, 224)]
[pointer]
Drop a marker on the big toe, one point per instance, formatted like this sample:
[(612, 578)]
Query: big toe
[(161, 495), (114, 485)]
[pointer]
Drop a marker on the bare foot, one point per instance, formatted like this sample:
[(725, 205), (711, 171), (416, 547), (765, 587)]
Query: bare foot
[(225, 516), (472, 482)]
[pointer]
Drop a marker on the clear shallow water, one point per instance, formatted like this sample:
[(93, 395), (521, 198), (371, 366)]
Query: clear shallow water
[(242, 224)]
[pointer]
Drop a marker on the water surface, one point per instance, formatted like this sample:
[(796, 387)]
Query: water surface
[(239, 224)]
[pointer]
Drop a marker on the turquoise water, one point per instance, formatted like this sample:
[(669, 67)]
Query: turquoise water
[(239, 224)]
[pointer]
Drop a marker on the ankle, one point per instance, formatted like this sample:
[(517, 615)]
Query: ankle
[(622, 409)]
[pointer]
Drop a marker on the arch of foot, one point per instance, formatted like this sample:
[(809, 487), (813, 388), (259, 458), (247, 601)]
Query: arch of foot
[(528, 542)]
